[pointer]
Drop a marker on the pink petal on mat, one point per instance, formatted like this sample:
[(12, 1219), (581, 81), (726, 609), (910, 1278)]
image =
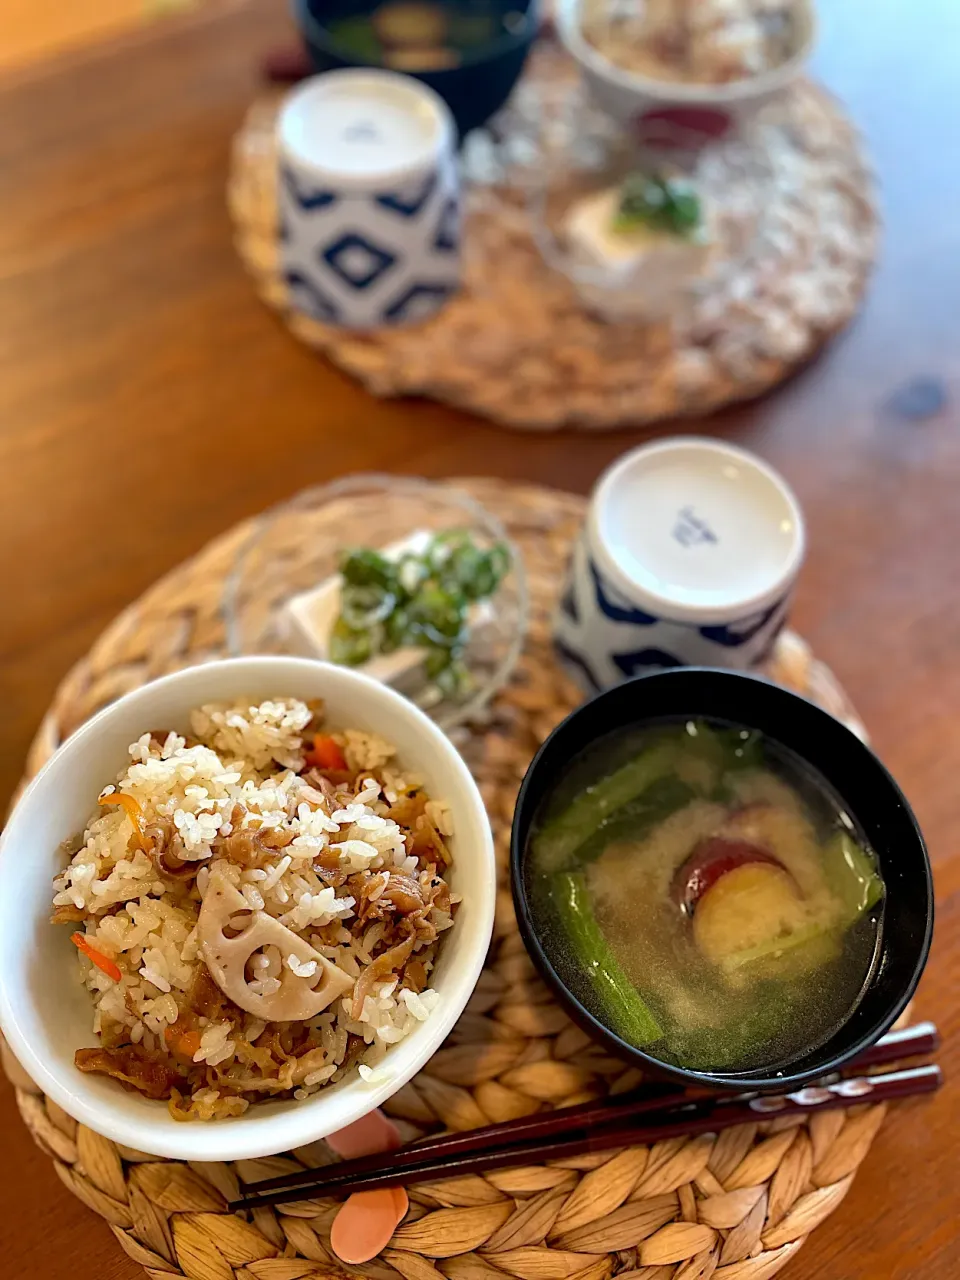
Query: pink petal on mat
[(368, 1219), (365, 1137), (366, 1222)]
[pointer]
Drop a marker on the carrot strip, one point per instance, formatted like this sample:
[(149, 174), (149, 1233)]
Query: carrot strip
[(185, 1043), (103, 963), (325, 753), (133, 811)]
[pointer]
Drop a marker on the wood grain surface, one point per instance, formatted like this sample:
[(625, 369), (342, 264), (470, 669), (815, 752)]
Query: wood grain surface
[(147, 401), (30, 29)]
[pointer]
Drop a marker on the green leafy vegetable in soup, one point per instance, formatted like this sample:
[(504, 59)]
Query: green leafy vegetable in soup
[(706, 896), (417, 35)]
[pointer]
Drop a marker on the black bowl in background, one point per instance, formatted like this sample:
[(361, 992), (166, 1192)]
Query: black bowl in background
[(861, 781), (473, 91)]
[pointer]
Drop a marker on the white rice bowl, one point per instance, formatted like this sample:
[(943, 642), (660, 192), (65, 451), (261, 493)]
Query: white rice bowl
[(243, 766)]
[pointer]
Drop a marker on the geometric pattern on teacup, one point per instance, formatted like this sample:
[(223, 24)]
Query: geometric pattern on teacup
[(446, 237), (613, 604), (305, 296), (416, 302), (642, 660), (604, 639), (736, 633), (304, 195), (577, 664), (568, 603), (409, 200), (357, 260), (369, 259)]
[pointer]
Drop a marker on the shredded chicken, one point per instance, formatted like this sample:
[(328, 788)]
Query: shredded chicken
[(379, 970), (206, 1000), (332, 787), (165, 847), (68, 915), (247, 848), (404, 893), (415, 975), (133, 1067)]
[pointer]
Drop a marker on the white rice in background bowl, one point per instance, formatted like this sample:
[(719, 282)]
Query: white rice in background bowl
[(266, 924)]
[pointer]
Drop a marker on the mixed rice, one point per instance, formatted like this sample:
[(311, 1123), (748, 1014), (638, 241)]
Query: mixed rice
[(257, 908), (698, 41)]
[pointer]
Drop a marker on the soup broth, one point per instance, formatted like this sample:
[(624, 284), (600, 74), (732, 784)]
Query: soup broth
[(705, 895), (420, 35)]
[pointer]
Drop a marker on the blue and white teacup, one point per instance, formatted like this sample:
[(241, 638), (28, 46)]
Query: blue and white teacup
[(688, 557), (368, 199)]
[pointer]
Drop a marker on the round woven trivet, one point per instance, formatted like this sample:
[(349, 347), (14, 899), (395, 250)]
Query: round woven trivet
[(737, 1206), (515, 345)]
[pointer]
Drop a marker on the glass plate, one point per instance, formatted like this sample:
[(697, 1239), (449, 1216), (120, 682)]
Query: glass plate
[(296, 546)]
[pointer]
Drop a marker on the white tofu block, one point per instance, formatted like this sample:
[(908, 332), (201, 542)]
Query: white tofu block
[(310, 617), (591, 237), (647, 270)]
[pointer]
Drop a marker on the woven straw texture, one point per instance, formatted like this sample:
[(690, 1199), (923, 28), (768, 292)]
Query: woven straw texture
[(736, 1207), (515, 345)]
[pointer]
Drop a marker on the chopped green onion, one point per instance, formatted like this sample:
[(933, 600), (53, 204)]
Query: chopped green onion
[(663, 204), (419, 600), (367, 568)]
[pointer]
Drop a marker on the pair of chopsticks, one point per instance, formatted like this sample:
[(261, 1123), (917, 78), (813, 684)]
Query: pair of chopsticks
[(649, 1114)]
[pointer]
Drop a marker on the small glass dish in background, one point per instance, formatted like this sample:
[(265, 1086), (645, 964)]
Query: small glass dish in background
[(296, 547), (582, 152)]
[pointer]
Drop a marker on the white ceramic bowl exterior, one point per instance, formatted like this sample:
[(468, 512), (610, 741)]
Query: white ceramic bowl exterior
[(688, 557), (46, 1014), (665, 111), (368, 195)]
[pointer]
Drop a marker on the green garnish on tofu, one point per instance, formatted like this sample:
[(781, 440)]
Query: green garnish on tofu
[(660, 204)]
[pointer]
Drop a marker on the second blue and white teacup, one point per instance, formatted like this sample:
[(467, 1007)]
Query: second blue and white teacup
[(688, 557), (368, 199)]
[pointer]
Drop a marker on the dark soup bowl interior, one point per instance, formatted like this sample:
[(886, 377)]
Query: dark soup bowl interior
[(488, 39), (860, 784)]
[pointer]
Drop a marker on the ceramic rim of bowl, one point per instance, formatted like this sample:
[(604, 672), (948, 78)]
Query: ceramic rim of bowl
[(683, 92)]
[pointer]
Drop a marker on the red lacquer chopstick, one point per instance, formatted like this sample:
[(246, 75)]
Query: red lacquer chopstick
[(700, 1115), (910, 1042)]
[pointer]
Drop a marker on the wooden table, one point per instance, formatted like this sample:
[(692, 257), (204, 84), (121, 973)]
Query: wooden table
[(147, 401)]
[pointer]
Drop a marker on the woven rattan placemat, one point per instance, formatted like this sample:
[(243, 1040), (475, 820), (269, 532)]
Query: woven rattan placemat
[(736, 1207), (515, 345)]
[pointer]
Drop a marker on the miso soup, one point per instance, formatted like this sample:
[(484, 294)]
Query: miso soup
[(425, 35), (706, 896)]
